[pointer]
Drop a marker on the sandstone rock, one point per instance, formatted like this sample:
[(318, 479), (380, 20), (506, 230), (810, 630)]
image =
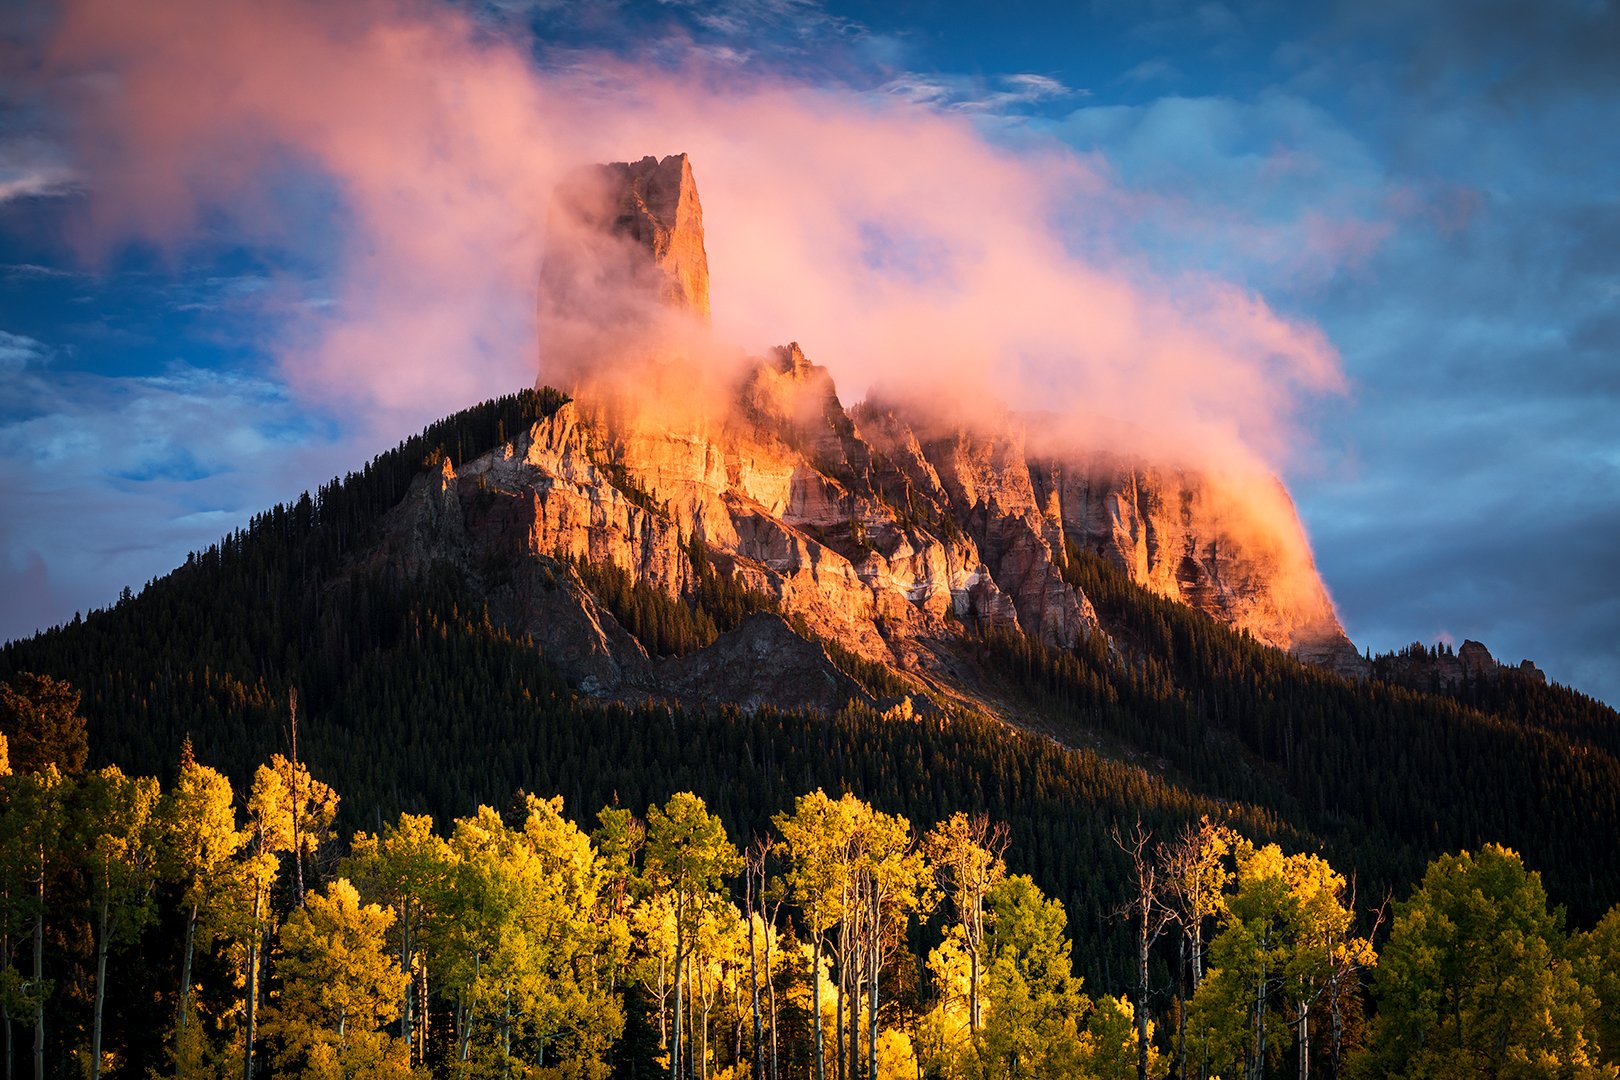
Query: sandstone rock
[(611, 224), (882, 528), (1234, 550)]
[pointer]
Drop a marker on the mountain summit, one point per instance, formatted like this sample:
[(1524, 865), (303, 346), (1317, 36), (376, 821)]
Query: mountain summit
[(620, 235), (898, 537)]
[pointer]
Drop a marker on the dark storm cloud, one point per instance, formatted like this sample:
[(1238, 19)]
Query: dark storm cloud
[(105, 479), (1520, 52), (1470, 487)]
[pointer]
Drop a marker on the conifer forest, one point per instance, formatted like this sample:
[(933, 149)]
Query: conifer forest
[(274, 815)]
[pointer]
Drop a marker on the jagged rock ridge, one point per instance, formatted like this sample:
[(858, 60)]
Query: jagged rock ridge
[(883, 535), (1439, 668), (626, 231)]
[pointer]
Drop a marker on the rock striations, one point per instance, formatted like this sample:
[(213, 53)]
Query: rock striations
[(887, 537)]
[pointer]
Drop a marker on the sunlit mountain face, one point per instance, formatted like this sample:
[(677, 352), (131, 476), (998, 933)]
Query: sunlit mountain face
[(256, 244)]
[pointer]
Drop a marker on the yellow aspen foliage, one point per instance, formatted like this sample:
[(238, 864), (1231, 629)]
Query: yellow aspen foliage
[(338, 986)]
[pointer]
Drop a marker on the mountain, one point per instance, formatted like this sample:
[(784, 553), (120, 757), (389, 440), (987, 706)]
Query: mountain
[(718, 576), (885, 531)]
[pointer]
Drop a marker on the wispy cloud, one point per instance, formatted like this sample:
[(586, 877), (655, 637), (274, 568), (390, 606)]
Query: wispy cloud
[(18, 352), (34, 181), (974, 94)]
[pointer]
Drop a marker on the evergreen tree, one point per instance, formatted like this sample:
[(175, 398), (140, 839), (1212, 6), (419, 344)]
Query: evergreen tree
[(39, 718)]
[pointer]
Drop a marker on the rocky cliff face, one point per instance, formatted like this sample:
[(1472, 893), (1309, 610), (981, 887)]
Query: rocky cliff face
[(884, 534), (1234, 549), (621, 234)]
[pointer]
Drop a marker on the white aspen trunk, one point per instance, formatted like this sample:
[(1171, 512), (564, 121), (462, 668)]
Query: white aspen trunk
[(422, 1014), (853, 1016), (1304, 1041), (1337, 1024), (39, 974), (252, 989), (680, 977), (770, 984), (875, 962), (663, 1004), (1142, 995), (815, 1007), (841, 1006), (703, 1038), (185, 985), (1198, 953), (1181, 1010), (467, 1011), (1257, 1068), (101, 992), (975, 936), (753, 986)]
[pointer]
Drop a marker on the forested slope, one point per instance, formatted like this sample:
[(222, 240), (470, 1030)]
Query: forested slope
[(413, 699)]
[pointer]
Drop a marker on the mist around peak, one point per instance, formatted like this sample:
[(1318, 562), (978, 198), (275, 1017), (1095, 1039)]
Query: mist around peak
[(894, 241)]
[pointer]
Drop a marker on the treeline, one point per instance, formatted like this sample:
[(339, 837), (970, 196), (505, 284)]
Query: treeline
[(195, 932), (417, 700), (1514, 761), (452, 713)]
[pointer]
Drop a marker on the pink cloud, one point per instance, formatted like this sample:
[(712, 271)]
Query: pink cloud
[(890, 239)]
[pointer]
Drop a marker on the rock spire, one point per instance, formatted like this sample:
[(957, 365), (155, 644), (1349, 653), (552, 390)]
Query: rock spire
[(622, 233)]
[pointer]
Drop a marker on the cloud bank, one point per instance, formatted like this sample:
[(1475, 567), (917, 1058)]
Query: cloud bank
[(895, 242)]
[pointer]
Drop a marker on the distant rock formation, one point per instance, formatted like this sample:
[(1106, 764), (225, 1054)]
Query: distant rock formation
[(1438, 667)]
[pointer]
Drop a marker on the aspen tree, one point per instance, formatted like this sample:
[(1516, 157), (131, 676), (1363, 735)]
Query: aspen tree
[(1597, 958), (815, 837), (966, 852), (32, 836), (1325, 951), (197, 819), (339, 987), (1152, 917), (405, 869), (688, 857), (1035, 1001), (1195, 874), (117, 837), (1475, 979)]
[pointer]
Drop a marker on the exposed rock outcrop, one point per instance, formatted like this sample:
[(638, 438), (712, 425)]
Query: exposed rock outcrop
[(883, 531), (625, 231), (1232, 548), (1438, 667)]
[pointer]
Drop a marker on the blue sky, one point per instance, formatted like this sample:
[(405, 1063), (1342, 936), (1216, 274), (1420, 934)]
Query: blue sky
[(1459, 160)]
